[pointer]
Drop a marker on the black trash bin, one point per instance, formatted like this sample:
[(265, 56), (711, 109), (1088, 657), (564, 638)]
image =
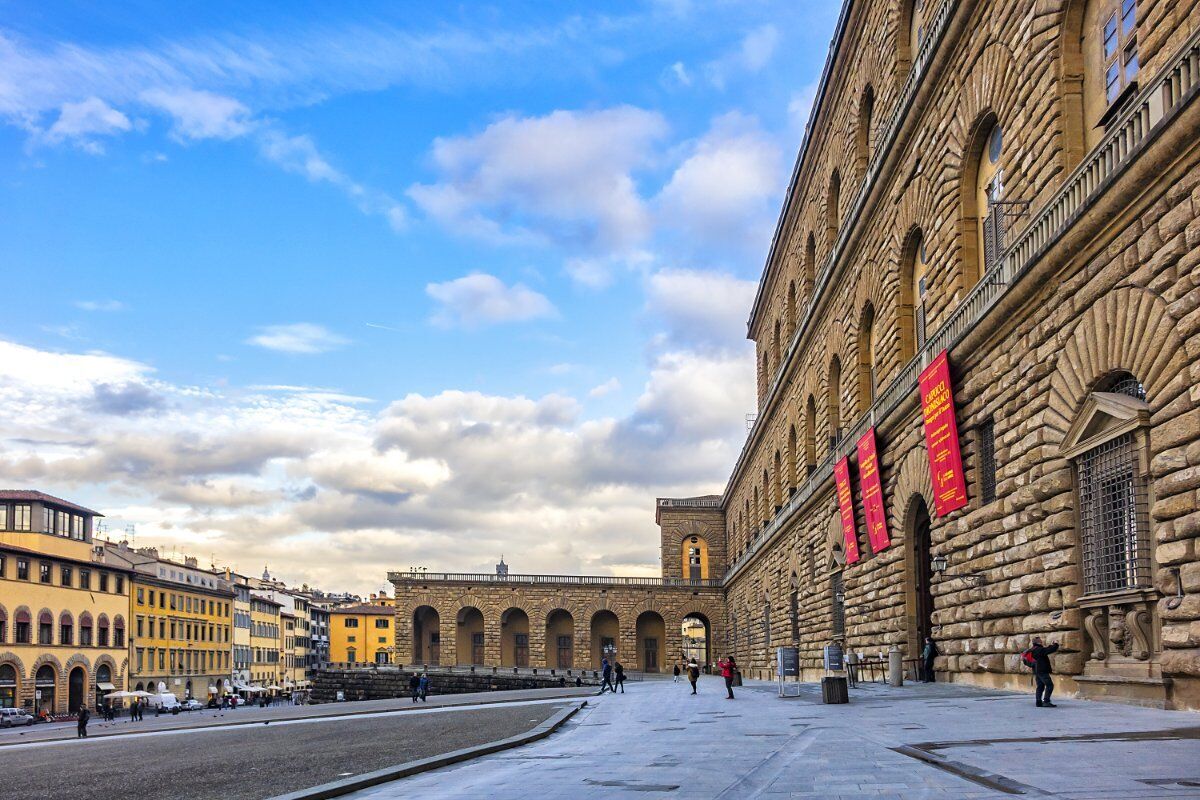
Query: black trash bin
[(834, 690)]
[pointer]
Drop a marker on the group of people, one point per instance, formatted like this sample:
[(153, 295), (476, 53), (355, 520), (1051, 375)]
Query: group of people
[(727, 665), (612, 676), (419, 686)]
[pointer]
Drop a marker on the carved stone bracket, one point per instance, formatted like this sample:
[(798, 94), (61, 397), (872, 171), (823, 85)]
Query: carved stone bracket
[(1095, 624), (1137, 621)]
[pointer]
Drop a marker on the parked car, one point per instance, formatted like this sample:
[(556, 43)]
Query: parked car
[(12, 717), (192, 704), (164, 702)]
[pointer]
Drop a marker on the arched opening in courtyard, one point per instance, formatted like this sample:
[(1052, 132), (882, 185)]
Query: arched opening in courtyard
[(697, 639), (560, 639), (470, 636), (427, 635), (605, 630), (651, 636), (514, 638)]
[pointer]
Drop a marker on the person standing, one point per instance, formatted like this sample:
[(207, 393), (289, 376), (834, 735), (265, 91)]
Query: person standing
[(414, 686), (81, 726), (1040, 655), (929, 654), (620, 670), (676, 671), (728, 669), (423, 687), (693, 673)]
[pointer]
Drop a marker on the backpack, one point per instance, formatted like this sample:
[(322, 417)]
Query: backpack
[(1027, 659)]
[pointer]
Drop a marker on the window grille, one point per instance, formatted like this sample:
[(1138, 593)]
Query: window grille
[(1113, 518), (839, 606), (987, 461), (1126, 384)]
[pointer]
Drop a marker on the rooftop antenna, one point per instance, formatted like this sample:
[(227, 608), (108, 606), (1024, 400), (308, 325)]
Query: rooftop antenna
[(131, 533)]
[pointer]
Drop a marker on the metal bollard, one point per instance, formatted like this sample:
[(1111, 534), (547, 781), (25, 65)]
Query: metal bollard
[(895, 666)]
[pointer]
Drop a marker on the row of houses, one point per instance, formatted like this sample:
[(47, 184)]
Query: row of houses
[(81, 617)]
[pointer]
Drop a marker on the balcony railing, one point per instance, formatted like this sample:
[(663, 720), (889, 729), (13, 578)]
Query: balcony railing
[(571, 580), (936, 29), (1131, 131), (689, 502)]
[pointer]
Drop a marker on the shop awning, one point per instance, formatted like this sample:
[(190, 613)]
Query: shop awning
[(107, 687)]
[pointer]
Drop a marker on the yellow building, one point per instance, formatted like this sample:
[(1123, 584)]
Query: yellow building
[(182, 624), (63, 607), (361, 634), (265, 641)]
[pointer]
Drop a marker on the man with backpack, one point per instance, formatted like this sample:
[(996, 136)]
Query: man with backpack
[(1037, 658)]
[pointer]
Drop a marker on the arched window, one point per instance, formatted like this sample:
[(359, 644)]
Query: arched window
[(759, 509), (791, 460), (913, 270), (866, 359), (775, 348), (864, 134), (777, 484), (3, 625), (794, 608), (102, 631), (66, 629), (810, 436), (983, 189), (832, 201), (1108, 48), (766, 496), (119, 632), (810, 265), (791, 310), (85, 630), (764, 377), (835, 400), (21, 627), (45, 628)]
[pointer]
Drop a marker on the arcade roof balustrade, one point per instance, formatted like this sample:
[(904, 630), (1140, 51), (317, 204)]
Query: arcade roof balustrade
[(541, 580)]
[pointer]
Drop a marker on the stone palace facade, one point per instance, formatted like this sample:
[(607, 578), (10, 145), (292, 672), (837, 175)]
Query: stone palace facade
[(1015, 185)]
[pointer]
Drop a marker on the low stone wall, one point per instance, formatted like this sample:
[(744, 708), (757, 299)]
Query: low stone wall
[(379, 684)]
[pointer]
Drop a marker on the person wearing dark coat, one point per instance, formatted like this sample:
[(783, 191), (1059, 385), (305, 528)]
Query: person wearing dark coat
[(606, 677), (414, 686), (928, 655), (620, 670), (693, 673), (1041, 671), (81, 727)]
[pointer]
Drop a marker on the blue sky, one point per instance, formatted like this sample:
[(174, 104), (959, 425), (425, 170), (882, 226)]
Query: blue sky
[(337, 286)]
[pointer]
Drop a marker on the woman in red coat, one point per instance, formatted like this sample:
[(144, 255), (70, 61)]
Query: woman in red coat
[(728, 669)]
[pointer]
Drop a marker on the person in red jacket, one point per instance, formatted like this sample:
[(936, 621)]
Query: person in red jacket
[(728, 669)]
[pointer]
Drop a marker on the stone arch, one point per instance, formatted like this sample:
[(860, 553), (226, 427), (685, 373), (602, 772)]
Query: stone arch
[(9, 657), (1070, 77), (42, 660), (1129, 329), (77, 659), (864, 130), (912, 479), (104, 658)]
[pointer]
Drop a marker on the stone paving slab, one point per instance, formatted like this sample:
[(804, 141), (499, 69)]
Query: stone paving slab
[(659, 740)]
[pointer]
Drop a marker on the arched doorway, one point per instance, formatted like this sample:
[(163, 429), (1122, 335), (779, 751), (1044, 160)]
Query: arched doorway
[(104, 683), (514, 638), (427, 635), (469, 642), (188, 695), (8, 686), (697, 639), (44, 684), (560, 639), (920, 570), (651, 636), (605, 632)]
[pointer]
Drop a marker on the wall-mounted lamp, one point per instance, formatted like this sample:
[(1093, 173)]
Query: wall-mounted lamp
[(839, 597), (939, 564), (1176, 601)]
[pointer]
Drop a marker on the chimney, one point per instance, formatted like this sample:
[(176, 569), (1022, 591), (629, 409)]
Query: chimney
[(190, 561)]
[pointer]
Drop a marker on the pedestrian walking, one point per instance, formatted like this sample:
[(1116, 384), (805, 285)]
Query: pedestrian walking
[(81, 726), (693, 672), (676, 678), (606, 675), (620, 670), (1038, 657), (928, 655), (414, 686), (728, 669), (423, 687)]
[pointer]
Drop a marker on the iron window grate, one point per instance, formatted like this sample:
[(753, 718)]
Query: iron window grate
[(839, 605), (1114, 518), (987, 460)]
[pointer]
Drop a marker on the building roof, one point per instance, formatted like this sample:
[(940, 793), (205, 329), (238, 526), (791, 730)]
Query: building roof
[(34, 496), (364, 609)]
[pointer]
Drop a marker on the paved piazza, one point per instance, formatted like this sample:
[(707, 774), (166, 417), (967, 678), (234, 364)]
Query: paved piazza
[(659, 740)]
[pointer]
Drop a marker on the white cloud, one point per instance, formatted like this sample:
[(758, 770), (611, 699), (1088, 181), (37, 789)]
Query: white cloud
[(100, 305), (480, 299), (700, 309), (82, 122), (608, 387), (300, 338), (800, 107), (201, 115), (753, 52), (564, 178), (724, 193)]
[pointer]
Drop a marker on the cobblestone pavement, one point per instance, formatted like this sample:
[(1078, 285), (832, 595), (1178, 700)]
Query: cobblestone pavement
[(246, 714), (251, 762), (918, 741)]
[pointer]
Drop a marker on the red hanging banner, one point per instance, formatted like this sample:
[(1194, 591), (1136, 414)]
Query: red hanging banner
[(941, 437), (872, 492), (841, 479)]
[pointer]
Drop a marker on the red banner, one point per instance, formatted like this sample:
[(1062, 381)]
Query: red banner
[(941, 437), (872, 492), (841, 479)]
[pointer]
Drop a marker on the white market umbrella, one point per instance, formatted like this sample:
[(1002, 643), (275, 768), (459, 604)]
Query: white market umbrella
[(274, 688), (119, 695), (140, 693)]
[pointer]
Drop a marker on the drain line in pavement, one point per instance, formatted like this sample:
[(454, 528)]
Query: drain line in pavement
[(967, 772)]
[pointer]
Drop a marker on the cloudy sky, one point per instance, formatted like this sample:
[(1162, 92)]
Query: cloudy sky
[(341, 288)]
